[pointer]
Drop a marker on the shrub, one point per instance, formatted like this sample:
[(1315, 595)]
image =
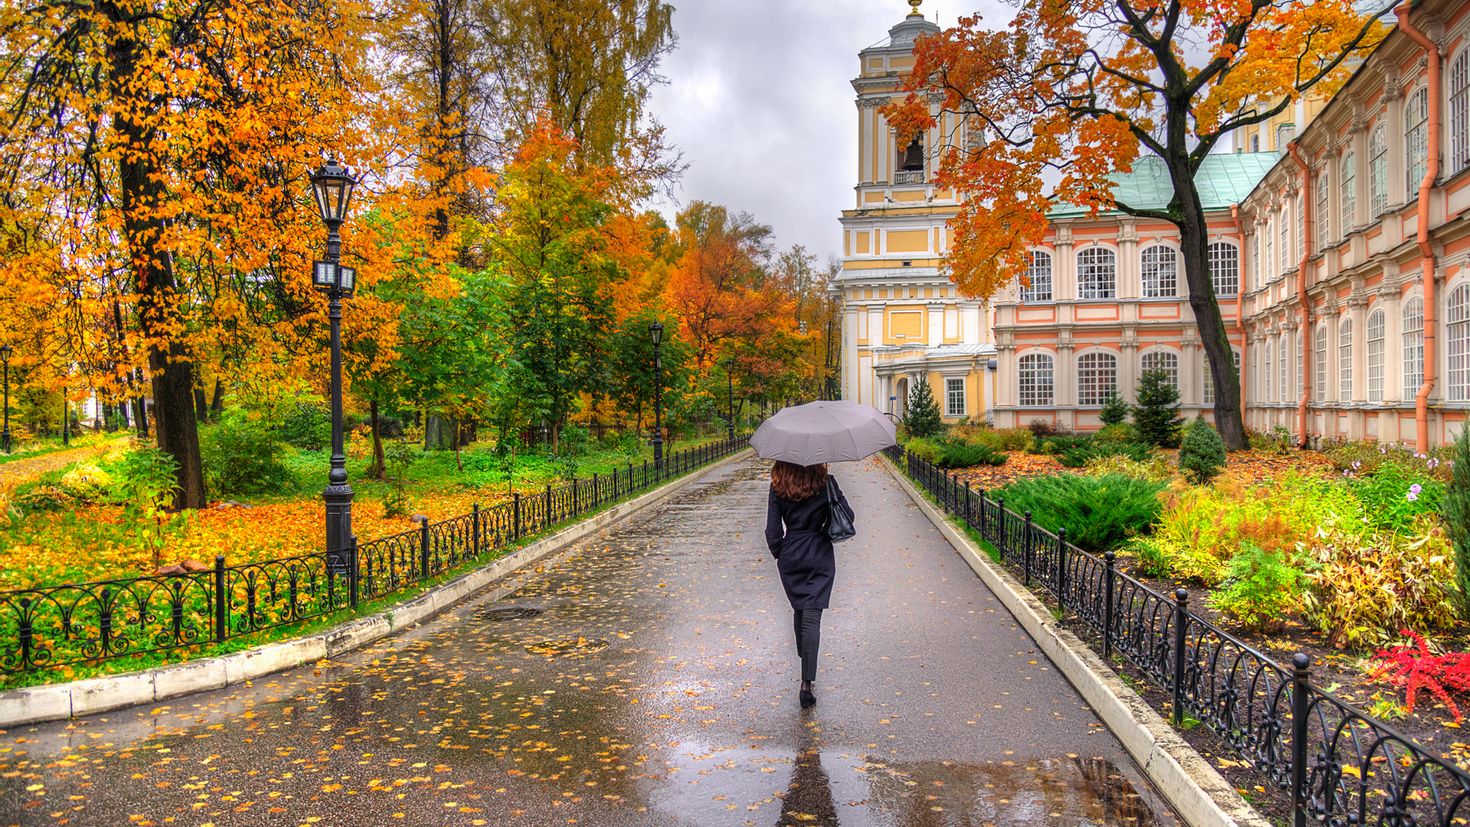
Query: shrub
[(242, 456), (1013, 439), (956, 454), (398, 456), (1059, 443), (1098, 512), (1277, 441), (1155, 559), (1040, 428), (1157, 413), (1415, 666), (925, 449), (1395, 499), (1455, 509), (1360, 592), (307, 425), (1202, 452), (1116, 434), (87, 483), (923, 417), (1114, 410), (573, 440), (1261, 586), (1154, 468), (146, 481), (1364, 458)]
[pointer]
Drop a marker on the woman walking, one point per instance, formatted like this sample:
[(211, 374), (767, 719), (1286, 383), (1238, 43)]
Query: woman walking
[(797, 519)]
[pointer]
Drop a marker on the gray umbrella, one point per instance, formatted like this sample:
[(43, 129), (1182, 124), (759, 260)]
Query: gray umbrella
[(821, 432)]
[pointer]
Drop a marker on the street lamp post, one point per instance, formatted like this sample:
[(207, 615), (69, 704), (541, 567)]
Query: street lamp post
[(656, 332), (332, 185), (730, 397), (5, 351)]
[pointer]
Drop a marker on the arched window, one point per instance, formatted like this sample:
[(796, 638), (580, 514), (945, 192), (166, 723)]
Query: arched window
[(1460, 111), (1345, 361), (1416, 139), (1413, 346), (1377, 172), (1208, 397), (1256, 142), (1160, 272), (1320, 364), (1036, 374), (1257, 269), (1375, 356), (1284, 375), (1268, 262), (1299, 225), (1038, 278), (1224, 259), (1097, 377), (1457, 328), (1301, 359), (1164, 360), (1283, 226), (1266, 371), (1097, 273), (1348, 175)]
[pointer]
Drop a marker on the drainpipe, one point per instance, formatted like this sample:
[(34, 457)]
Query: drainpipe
[(1301, 290), (1239, 293), (1426, 252)]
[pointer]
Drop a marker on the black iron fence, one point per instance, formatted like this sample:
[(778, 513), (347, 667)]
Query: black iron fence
[(88, 622), (1340, 765)]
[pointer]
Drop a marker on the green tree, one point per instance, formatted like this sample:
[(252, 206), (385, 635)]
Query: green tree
[(1114, 410), (631, 366), (1455, 508), (1157, 413), (923, 419), (1202, 453)]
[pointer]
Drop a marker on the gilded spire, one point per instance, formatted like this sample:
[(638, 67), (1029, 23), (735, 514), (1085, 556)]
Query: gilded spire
[(914, 8)]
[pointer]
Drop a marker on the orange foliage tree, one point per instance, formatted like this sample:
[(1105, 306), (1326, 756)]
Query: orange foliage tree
[(1076, 91)]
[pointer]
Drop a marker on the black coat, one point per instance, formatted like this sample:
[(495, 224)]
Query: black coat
[(796, 534)]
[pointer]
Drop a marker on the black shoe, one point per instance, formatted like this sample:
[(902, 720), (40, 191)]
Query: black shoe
[(808, 700)]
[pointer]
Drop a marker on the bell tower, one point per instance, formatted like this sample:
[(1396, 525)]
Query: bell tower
[(903, 319)]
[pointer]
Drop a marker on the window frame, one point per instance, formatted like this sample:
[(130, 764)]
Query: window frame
[(1224, 266), (1374, 357), (1091, 391), (1412, 338), (1416, 140), (1348, 182), (1161, 354), (1324, 207), (1459, 111), (1030, 293), (1034, 374), (1457, 343), (1163, 271), (1345, 360), (949, 396), (1086, 292), (1319, 361), (1377, 171)]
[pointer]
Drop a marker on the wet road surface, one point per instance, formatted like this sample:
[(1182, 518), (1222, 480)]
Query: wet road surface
[(647, 677)]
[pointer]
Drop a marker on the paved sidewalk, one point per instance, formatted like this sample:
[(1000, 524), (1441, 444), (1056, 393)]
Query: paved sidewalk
[(648, 677)]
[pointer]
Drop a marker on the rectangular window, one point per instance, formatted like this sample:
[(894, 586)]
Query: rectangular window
[(954, 395)]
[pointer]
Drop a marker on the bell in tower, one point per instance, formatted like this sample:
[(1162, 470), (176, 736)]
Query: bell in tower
[(913, 157)]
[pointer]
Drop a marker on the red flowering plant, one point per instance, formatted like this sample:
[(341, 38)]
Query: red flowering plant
[(1416, 667)]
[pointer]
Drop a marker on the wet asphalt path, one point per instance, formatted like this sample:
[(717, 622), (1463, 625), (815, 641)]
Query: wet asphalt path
[(648, 677)]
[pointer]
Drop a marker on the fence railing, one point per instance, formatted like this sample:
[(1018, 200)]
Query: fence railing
[(88, 622), (1340, 765)]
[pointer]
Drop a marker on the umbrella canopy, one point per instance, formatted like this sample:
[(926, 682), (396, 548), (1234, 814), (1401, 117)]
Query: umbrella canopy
[(822, 432)]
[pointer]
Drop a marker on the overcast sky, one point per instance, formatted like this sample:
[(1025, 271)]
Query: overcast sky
[(759, 101)]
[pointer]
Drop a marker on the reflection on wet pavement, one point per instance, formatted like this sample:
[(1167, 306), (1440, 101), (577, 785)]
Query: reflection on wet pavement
[(646, 678)]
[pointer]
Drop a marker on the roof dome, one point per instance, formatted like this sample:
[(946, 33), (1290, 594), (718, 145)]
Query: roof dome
[(905, 33)]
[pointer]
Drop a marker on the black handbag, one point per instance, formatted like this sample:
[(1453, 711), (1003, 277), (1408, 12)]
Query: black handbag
[(839, 524)]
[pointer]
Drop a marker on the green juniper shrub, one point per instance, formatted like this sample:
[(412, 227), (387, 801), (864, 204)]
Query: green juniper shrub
[(923, 417), (925, 449), (1157, 413), (1201, 453), (1114, 410), (957, 454), (1260, 586), (1455, 509), (1098, 512), (243, 456)]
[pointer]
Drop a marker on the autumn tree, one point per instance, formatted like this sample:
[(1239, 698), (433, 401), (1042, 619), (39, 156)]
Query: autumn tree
[(1073, 93), (153, 155)]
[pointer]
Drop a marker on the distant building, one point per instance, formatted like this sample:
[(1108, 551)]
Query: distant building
[(903, 320)]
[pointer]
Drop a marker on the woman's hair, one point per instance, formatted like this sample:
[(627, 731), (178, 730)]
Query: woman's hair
[(797, 482)]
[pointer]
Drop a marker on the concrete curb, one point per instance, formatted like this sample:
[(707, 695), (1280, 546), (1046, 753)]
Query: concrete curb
[(53, 702), (1196, 791)]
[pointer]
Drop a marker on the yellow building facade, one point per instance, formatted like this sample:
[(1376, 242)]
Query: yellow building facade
[(903, 319)]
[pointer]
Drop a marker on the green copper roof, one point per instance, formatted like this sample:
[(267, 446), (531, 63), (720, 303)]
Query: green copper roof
[(1224, 179)]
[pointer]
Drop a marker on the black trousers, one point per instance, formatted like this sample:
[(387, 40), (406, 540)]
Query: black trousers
[(808, 623)]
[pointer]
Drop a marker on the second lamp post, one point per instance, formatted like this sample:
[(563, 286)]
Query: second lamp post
[(656, 332), (332, 185), (5, 351)]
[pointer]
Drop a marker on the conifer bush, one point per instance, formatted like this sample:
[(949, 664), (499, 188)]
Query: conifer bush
[(1156, 416), (1202, 453), (1114, 410), (923, 419)]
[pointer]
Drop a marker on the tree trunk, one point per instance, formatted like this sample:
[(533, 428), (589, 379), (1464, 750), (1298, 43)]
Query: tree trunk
[(142, 197), (201, 405), (439, 433), (1193, 248), (379, 467), (140, 406), (217, 404)]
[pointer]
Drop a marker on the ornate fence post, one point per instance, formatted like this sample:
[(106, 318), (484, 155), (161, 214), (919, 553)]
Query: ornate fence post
[(1000, 528), (423, 522), (354, 574), (221, 620), (982, 513), (1025, 547), (27, 633), (1109, 574), (475, 529), (596, 492), (576, 500), (1300, 680), (516, 507), (1181, 620), (966, 514), (645, 473), (1062, 568), (546, 523)]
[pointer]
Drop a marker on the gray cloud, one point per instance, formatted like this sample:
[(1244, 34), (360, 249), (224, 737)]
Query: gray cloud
[(759, 102)]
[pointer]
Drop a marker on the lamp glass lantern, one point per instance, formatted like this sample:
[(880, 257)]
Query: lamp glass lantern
[(656, 332), (329, 276), (332, 185), (5, 352)]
